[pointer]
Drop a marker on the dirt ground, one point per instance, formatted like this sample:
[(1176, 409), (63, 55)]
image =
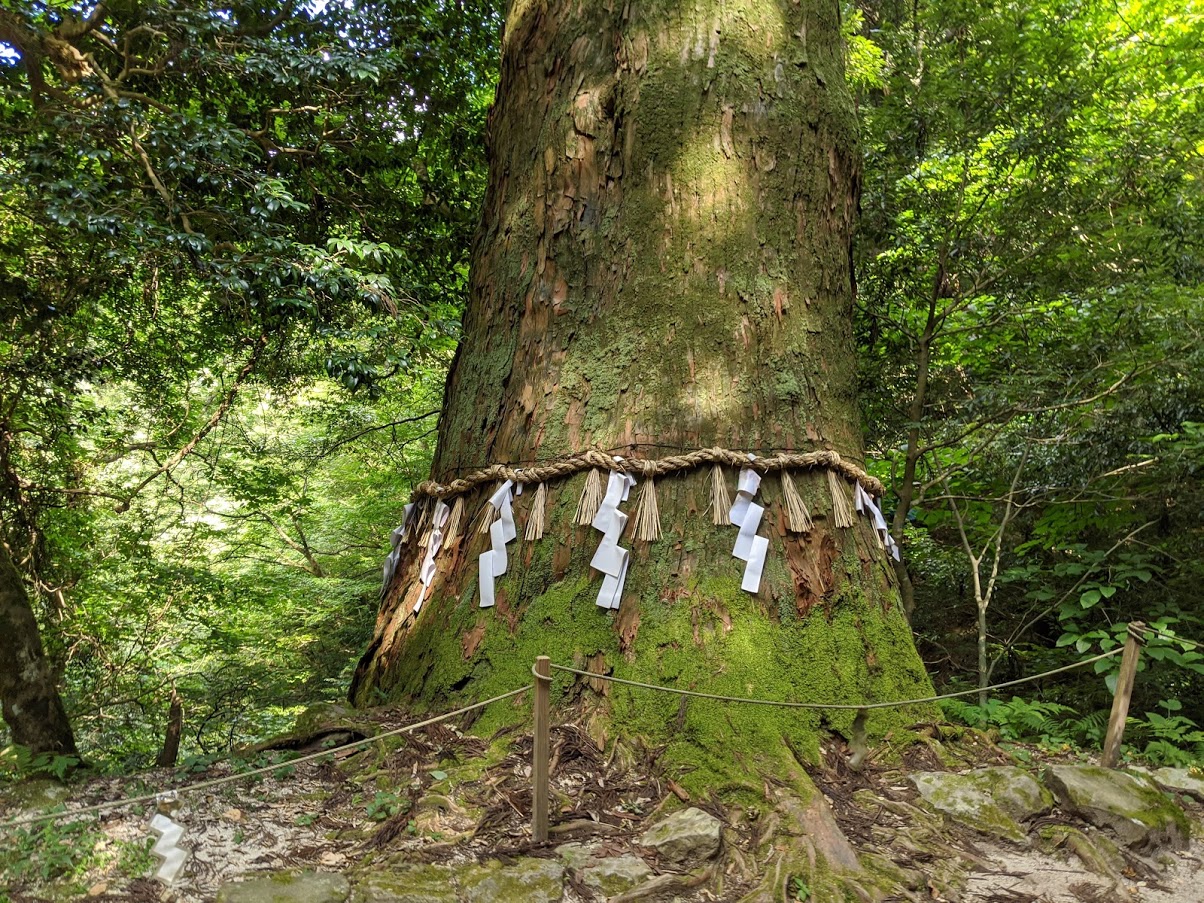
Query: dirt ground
[(442, 796)]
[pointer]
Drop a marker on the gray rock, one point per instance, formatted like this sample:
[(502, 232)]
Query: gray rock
[(528, 880), (407, 884), (1140, 816), (685, 837), (288, 887), (991, 800), (1181, 780), (616, 874), (577, 855)]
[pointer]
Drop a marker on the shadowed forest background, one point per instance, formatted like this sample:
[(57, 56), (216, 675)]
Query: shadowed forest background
[(233, 258)]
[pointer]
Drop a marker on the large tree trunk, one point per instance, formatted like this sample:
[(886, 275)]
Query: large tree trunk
[(29, 692), (663, 264)]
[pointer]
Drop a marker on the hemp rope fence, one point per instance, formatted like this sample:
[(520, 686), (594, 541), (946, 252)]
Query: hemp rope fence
[(588, 460), (1170, 637), (233, 778), (541, 685), (828, 706)]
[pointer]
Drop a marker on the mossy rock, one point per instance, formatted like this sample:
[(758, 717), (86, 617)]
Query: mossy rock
[(34, 794), (407, 884), (992, 801), (577, 855), (528, 880), (288, 887), (1140, 816), (616, 874)]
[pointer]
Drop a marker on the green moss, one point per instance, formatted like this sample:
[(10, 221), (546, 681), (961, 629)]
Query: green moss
[(696, 631)]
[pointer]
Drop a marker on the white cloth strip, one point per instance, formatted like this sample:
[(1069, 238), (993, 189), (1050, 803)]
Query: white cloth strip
[(610, 558), (167, 848), (394, 555), (751, 583), (746, 514), (493, 563), (864, 503), (426, 574)]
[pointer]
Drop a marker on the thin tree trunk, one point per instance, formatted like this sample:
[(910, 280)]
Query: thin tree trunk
[(29, 692), (171, 738)]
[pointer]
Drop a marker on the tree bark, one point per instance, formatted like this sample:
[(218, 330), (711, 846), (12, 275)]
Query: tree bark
[(171, 737), (663, 263), (29, 692)]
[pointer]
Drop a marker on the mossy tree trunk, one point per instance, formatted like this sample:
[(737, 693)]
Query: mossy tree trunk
[(663, 263), (29, 691)]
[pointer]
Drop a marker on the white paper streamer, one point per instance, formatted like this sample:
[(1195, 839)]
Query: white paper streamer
[(166, 848), (426, 574), (493, 563), (864, 502), (746, 514), (395, 555), (610, 558)]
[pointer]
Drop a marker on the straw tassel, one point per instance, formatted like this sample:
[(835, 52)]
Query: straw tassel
[(721, 500), (647, 511), (535, 521), (842, 514), (451, 530), (798, 518), (591, 499), (484, 518)]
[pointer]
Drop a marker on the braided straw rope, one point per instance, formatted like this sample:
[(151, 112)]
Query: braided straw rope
[(574, 464)]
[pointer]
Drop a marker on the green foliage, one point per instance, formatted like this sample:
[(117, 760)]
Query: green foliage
[(227, 312), (1030, 316), (17, 760), (384, 805), (51, 851)]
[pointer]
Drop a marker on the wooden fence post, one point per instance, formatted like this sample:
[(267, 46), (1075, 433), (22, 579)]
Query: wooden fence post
[(540, 752), (1124, 692)]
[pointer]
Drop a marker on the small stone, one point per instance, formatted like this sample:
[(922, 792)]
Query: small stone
[(528, 880), (1139, 815), (616, 874), (288, 887), (685, 837), (576, 855)]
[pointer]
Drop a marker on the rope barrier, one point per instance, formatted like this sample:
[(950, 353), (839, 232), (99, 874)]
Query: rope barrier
[(832, 706), (1154, 631), (574, 464), (230, 779)]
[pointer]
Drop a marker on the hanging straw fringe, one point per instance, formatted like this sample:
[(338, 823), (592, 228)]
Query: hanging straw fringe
[(535, 520), (798, 518), (451, 531), (842, 513), (484, 518), (591, 499), (721, 500), (647, 512)]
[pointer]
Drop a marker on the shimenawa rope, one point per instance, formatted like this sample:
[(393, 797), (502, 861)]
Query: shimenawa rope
[(537, 473)]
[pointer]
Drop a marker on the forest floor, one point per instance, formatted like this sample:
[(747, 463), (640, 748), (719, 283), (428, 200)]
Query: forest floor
[(444, 797)]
